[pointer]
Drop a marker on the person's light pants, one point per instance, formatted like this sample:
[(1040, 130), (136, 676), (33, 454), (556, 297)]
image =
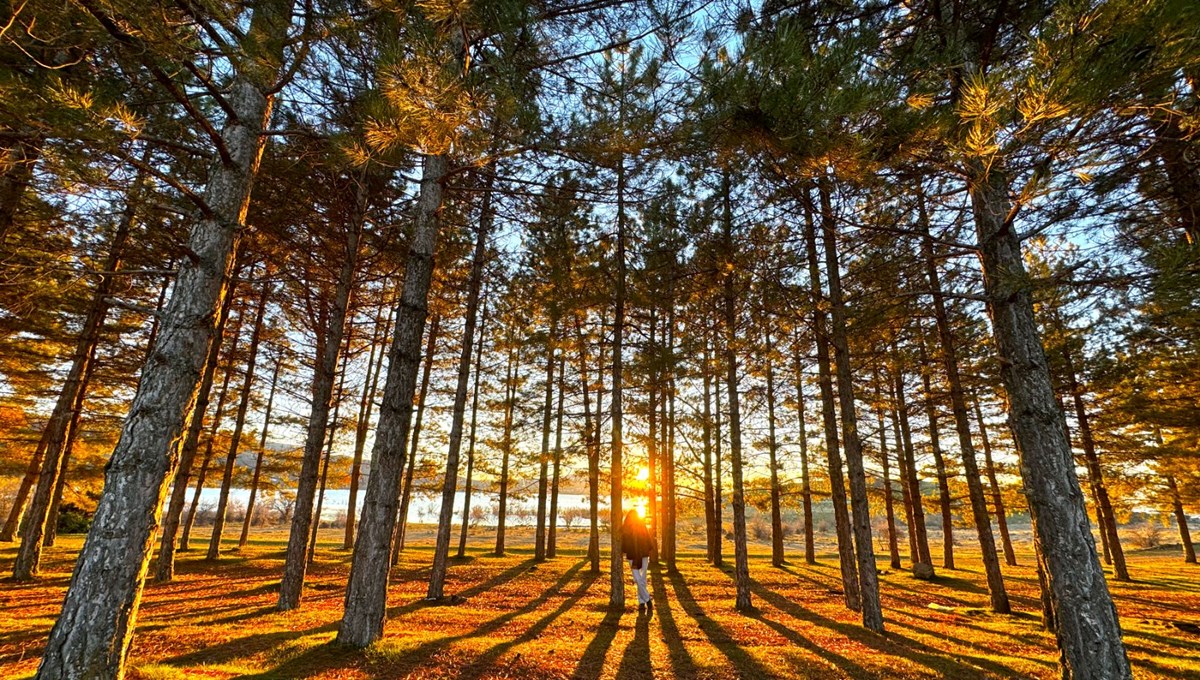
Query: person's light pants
[(639, 577)]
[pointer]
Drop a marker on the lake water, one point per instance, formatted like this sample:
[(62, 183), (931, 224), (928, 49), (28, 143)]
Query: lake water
[(424, 508)]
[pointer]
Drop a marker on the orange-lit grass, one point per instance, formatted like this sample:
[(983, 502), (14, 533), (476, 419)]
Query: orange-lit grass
[(551, 620)]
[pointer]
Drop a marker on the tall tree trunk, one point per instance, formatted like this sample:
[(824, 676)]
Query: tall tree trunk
[(616, 593), (410, 469), (652, 443), (741, 568), (923, 562), (552, 528), (888, 494), (329, 347), (218, 415), (1089, 632), (70, 400), (718, 489), (214, 541), (366, 591), (539, 543), (258, 459), (837, 482), (65, 461), (669, 498), (28, 481), (363, 424), (958, 405), (1105, 515), (506, 438), (591, 437), (1181, 519), (711, 530), (810, 554), (1010, 556), (773, 456), (92, 635), (335, 424), (468, 489), (868, 576), (441, 551), (939, 461), (914, 554)]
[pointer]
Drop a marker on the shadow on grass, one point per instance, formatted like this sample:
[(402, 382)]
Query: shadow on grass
[(591, 664), (682, 663), (746, 665), (635, 661)]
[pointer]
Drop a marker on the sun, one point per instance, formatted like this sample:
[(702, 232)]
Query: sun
[(643, 474)]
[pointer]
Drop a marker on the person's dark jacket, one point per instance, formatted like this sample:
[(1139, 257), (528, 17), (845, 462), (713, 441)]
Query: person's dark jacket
[(636, 543)]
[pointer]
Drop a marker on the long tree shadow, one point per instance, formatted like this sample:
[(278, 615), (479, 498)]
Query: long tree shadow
[(681, 661), (298, 666), (746, 665), (257, 644), (485, 662), (635, 661), (892, 643), (591, 664)]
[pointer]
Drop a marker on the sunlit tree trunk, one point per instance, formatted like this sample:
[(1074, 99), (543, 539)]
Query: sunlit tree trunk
[(1104, 510), (923, 560), (441, 551), (235, 440), (837, 482), (710, 525), (1089, 632), (591, 436), (366, 591), (335, 425), (258, 459), (718, 559), (888, 494), (539, 545), (1181, 519), (741, 563), (506, 438), (92, 635), (329, 348), (65, 461), (958, 405), (1010, 556), (552, 528), (868, 576), (410, 468), (467, 487), (905, 499), (939, 461), (777, 558), (652, 442), (616, 595), (669, 499), (810, 554), (363, 425)]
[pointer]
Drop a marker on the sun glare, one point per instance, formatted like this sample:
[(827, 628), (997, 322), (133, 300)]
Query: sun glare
[(643, 474)]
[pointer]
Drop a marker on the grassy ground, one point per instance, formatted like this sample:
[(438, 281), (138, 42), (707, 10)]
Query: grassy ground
[(521, 620)]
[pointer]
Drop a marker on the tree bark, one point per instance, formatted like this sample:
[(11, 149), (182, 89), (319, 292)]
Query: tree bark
[(65, 460), (837, 482), (468, 489), (911, 483), (669, 500), (939, 461), (18, 157), (335, 424), (92, 635), (616, 594), (366, 591), (539, 543), (958, 405), (1105, 515), (718, 490), (1181, 519), (329, 347), (711, 530), (1010, 556), (214, 541), (868, 576), (1089, 633), (888, 498), (506, 439), (258, 459), (810, 555), (410, 469), (552, 528), (777, 557), (591, 437), (741, 563), (441, 551), (363, 425)]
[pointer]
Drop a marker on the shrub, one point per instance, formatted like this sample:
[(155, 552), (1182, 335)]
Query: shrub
[(73, 519)]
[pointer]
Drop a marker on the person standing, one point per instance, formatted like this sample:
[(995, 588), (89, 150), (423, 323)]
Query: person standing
[(637, 543)]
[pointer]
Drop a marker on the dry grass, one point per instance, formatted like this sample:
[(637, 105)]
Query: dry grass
[(521, 620)]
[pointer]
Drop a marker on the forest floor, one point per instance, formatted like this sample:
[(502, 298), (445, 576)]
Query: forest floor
[(547, 621)]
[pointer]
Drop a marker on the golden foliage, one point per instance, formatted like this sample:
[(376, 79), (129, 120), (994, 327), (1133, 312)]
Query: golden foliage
[(430, 108)]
